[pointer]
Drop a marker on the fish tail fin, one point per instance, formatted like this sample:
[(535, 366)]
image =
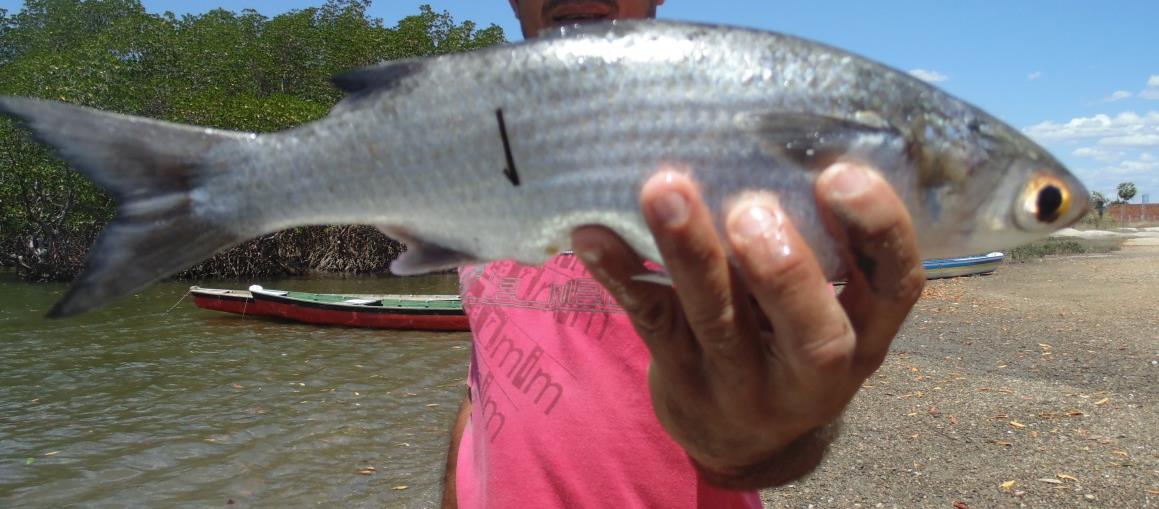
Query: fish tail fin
[(151, 168)]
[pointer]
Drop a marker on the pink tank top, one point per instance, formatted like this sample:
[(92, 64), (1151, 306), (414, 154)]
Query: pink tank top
[(561, 414)]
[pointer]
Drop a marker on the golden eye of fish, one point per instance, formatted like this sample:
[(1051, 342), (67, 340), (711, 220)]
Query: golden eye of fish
[(1046, 198)]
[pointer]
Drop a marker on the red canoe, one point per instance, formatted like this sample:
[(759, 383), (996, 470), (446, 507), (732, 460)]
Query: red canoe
[(403, 312)]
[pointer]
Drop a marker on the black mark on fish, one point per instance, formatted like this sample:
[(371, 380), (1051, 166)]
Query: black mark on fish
[(509, 171)]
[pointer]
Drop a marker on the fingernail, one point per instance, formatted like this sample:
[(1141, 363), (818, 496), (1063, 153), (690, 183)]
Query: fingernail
[(759, 223), (756, 222), (591, 255), (671, 209), (848, 180)]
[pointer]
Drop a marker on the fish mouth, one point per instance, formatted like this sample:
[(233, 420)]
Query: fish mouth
[(572, 12)]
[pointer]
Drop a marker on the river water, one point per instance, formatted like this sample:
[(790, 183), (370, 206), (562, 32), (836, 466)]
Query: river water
[(152, 402)]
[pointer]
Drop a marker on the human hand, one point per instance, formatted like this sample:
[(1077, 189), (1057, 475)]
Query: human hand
[(753, 362)]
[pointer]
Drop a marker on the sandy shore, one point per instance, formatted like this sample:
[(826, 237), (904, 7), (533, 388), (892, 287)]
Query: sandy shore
[(1037, 386)]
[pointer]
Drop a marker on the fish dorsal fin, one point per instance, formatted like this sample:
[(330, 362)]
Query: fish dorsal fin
[(384, 76), (364, 83), (816, 141)]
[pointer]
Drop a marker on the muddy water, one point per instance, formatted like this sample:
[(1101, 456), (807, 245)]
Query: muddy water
[(140, 405)]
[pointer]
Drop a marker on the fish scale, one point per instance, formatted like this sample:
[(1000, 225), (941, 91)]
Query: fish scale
[(500, 153)]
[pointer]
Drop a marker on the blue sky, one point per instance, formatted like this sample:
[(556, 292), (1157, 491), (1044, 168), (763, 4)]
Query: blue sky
[(1081, 77)]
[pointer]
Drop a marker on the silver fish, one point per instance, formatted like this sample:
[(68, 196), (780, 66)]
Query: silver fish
[(500, 153)]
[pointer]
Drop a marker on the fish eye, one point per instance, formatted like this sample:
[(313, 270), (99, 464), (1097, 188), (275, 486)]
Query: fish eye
[(1045, 199), (1049, 203)]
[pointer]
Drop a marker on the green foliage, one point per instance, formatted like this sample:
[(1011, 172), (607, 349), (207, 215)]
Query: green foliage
[(1098, 206), (1056, 246), (5, 22), (230, 70), (430, 33), (1093, 221), (1098, 202), (1126, 191)]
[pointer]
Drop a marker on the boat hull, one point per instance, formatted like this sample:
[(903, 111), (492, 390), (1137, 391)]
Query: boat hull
[(238, 302), (398, 312), (964, 266)]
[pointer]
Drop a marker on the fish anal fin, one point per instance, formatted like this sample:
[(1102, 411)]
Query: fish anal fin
[(656, 278), (422, 256), (816, 141)]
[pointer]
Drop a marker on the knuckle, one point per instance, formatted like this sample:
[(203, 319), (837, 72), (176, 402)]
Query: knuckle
[(831, 348), (654, 316), (718, 328), (718, 292), (783, 278)]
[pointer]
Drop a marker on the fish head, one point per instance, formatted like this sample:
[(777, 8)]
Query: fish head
[(989, 186)]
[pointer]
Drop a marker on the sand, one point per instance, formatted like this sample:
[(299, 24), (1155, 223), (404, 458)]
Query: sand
[(1037, 386)]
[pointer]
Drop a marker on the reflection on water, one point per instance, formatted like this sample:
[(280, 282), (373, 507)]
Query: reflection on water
[(139, 405)]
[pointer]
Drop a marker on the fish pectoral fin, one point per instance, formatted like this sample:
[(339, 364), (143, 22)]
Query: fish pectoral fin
[(422, 257), (816, 141)]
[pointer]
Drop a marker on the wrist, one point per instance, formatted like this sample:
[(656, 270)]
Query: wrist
[(794, 461)]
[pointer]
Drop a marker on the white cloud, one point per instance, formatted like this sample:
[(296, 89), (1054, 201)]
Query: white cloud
[(928, 75), (1106, 149), (1102, 154), (1131, 140), (1128, 128), (1143, 171), (1152, 90), (1034, 75), (1118, 95), (1129, 168)]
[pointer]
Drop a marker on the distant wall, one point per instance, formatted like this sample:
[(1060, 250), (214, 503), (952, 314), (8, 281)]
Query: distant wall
[(1134, 212)]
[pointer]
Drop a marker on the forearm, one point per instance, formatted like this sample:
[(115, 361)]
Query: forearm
[(797, 460), (450, 499)]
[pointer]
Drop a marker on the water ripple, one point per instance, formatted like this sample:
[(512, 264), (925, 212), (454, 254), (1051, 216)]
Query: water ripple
[(133, 406)]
